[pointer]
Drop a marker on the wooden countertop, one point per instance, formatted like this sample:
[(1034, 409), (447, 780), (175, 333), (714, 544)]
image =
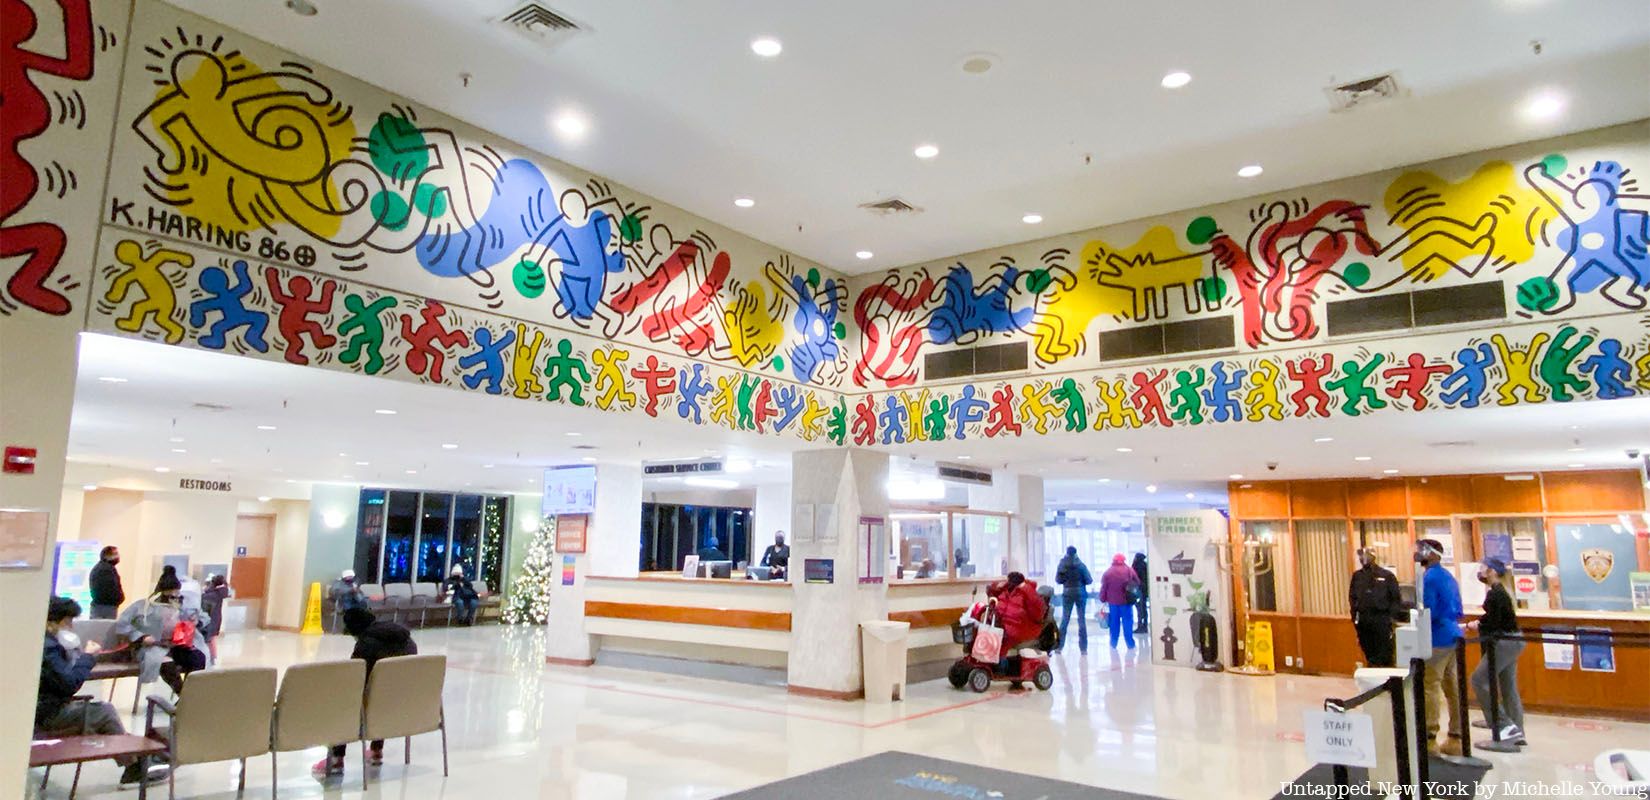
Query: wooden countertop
[(676, 577)]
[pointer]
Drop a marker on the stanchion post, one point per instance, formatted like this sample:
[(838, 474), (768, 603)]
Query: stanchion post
[(1464, 721), (1400, 730), (1423, 773), (1495, 691)]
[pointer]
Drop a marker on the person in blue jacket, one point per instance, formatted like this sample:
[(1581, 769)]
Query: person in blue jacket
[(1074, 579), (65, 664), (1441, 595)]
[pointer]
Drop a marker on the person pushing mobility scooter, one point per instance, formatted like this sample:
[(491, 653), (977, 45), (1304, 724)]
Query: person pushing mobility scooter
[(1015, 615)]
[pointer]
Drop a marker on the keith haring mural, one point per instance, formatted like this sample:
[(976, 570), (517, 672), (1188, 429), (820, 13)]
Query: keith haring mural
[(230, 145), (1555, 229)]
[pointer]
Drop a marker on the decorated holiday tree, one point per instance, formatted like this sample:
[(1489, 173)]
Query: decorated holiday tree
[(529, 600)]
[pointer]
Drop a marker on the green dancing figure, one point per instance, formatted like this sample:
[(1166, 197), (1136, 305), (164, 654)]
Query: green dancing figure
[(566, 370), (368, 324), (1354, 385), (1555, 365)]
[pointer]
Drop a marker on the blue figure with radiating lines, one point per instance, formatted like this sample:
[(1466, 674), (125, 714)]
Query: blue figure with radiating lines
[(964, 314), (489, 356), (693, 386), (893, 421), (229, 302), (1220, 397)]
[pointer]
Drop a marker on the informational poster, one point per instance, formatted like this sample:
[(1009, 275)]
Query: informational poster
[(71, 571), (825, 523), (690, 566), (571, 530), (568, 570), (871, 549), (23, 535), (819, 570), (1473, 590), (1498, 546), (1597, 650), (569, 490), (1640, 581), (1594, 561), (1185, 583), (1560, 651), (1525, 548)]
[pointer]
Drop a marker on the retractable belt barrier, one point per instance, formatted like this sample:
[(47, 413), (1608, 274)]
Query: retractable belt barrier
[(1393, 688), (1545, 636)]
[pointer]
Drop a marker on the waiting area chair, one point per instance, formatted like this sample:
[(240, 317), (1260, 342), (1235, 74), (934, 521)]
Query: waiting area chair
[(221, 715), (403, 700), (319, 705)]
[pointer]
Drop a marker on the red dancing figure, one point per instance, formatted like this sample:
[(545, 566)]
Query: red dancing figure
[(1001, 415), (865, 421), (422, 356), (765, 409), (25, 116), (1309, 373), (1148, 398), (1414, 380), (296, 307), (657, 382)]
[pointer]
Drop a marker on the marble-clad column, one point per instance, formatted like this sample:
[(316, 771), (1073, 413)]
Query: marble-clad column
[(610, 551), (830, 491)]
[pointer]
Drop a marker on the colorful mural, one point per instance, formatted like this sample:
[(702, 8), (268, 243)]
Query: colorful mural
[(232, 146), (1557, 230)]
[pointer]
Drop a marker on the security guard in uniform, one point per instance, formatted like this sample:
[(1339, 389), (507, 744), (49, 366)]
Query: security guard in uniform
[(1375, 605)]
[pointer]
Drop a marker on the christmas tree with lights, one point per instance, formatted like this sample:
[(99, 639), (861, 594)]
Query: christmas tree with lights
[(529, 600)]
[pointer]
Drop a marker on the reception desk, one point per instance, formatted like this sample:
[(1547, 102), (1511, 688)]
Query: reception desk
[(728, 621), (930, 606)]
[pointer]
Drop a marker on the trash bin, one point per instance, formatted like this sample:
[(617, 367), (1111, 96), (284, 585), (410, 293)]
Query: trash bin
[(884, 645)]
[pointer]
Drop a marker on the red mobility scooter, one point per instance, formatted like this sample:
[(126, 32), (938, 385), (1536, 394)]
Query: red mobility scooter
[(978, 674)]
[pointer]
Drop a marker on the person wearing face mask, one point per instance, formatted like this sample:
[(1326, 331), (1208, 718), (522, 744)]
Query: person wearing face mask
[(65, 663), (464, 596), (149, 624), (1375, 602), (104, 580), (1499, 619), (1441, 595)]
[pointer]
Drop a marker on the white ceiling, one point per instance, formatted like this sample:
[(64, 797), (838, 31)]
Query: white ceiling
[(325, 421), (1072, 123)]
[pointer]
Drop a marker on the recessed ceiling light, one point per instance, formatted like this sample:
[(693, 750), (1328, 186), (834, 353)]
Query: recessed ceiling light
[(302, 8), (1236, 476), (486, 466), (175, 439), (926, 151), (1577, 449), (979, 64), (965, 458), (1102, 480), (1250, 171), (1390, 471), (412, 472), (449, 447), (1125, 449), (1360, 458), (179, 450), (572, 125), (163, 469), (1190, 496), (385, 411), (217, 461), (743, 202), (767, 47), (1177, 79), (864, 255), (266, 427), (343, 455), (1032, 219), (263, 498), (574, 433), (90, 487), (1322, 439), (352, 477), (1543, 105), (360, 463), (588, 459), (1152, 488), (112, 379)]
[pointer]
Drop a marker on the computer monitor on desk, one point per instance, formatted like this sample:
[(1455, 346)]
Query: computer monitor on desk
[(716, 569), (758, 573)]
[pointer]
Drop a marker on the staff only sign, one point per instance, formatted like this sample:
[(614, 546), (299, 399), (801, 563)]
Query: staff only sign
[(1340, 738)]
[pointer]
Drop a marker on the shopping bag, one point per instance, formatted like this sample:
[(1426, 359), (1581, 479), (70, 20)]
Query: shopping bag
[(988, 643), (184, 634)]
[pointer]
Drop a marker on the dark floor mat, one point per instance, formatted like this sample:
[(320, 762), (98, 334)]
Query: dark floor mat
[(903, 776), (1448, 778)]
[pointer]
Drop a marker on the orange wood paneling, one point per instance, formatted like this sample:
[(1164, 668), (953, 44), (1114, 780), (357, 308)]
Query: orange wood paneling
[(1317, 499), (718, 617), (1388, 498), (249, 577), (1439, 496), (1494, 494), (1593, 491), (928, 617), (1262, 500), (1285, 636), (1613, 694), (1329, 645)]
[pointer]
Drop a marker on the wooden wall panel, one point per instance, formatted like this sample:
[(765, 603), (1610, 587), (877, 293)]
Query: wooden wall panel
[(1262, 500), (1317, 499), (1494, 494), (1329, 645), (1593, 491), (718, 617), (928, 617), (1439, 496), (1285, 636), (1612, 694), (1377, 498)]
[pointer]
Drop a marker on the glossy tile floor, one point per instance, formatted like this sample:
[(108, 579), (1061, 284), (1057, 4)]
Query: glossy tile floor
[(520, 730)]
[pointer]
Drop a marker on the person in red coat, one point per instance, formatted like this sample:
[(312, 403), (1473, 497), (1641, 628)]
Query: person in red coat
[(1020, 610)]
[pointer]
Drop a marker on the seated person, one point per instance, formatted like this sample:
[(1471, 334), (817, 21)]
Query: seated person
[(926, 568), (346, 593), (464, 596), (63, 670), (1021, 611), (778, 556), (374, 640), (149, 625), (712, 551)]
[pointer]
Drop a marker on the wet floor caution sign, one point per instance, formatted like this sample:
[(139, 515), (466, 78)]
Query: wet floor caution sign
[(312, 610)]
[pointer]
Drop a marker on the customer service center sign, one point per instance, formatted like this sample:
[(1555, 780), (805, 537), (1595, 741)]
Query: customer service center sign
[(1186, 585)]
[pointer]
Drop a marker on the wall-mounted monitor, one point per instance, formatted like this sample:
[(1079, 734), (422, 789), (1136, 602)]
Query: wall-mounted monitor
[(569, 490)]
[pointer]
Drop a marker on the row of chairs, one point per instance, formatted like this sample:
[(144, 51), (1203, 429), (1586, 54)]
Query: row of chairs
[(403, 602), (237, 713)]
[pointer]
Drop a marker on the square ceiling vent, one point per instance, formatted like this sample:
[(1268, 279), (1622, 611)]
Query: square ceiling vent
[(541, 24), (1363, 92)]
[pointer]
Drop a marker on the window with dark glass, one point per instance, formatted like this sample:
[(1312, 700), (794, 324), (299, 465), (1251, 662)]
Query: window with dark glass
[(466, 533), (670, 533), (434, 535), (407, 537), (369, 535), (400, 529)]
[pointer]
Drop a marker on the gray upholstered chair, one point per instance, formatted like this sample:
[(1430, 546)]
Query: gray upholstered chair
[(319, 705), (427, 599), (404, 700), (221, 715)]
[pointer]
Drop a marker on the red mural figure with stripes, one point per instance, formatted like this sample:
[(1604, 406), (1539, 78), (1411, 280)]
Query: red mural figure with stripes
[(680, 316), (26, 115)]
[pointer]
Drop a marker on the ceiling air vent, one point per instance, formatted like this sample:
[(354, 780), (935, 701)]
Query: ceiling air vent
[(210, 407), (1353, 94), (541, 24), (892, 205), (1457, 443), (959, 474)]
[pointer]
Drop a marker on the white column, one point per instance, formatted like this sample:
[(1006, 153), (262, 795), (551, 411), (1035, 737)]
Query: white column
[(611, 546), (825, 652), (772, 514)]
